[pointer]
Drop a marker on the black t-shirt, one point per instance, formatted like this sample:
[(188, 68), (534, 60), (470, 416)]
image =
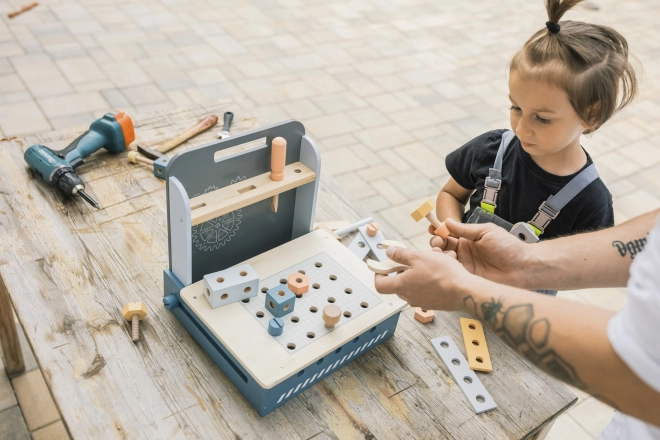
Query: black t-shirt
[(525, 186)]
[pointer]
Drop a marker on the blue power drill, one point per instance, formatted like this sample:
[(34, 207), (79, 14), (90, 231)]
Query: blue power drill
[(114, 132)]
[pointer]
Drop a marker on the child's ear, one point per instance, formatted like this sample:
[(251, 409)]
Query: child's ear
[(590, 122)]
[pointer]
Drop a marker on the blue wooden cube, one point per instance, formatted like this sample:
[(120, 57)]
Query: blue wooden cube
[(280, 300)]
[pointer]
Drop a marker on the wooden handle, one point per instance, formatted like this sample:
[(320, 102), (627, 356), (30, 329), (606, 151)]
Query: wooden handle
[(23, 9), (134, 157), (196, 129)]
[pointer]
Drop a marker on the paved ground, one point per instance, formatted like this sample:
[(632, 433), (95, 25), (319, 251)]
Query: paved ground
[(386, 88)]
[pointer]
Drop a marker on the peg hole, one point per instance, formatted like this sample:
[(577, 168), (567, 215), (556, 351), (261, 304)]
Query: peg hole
[(246, 189), (208, 292), (333, 277), (246, 300), (220, 280), (283, 281), (472, 327), (224, 296), (356, 339), (297, 171), (264, 289), (295, 319), (481, 399), (281, 293), (316, 285), (313, 309), (364, 305), (291, 346), (443, 344), (287, 307), (347, 314), (260, 314), (480, 360), (318, 264), (475, 343), (348, 290), (248, 289), (467, 379), (311, 335), (243, 273), (331, 300), (271, 305), (361, 244), (455, 361), (301, 271), (298, 280)]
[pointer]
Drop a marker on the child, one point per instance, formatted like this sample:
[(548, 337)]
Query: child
[(567, 80)]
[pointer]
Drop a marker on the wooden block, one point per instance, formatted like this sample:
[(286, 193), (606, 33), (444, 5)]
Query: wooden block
[(239, 195), (386, 267), (331, 315), (423, 315), (231, 285), (280, 301), (298, 283), (476, 350), (392, 243), (372, 229), (134, 308), (331, 225), (324, 227), (422, 211)]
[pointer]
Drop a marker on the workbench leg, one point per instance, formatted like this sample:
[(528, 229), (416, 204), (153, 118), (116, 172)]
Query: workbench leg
[(543, 433), (11, 347)]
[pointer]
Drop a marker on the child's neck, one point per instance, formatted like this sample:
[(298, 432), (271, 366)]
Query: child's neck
[(567, 161)]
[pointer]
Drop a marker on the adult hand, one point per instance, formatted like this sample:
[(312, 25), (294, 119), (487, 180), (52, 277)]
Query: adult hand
[(434, 281), (489, 251)]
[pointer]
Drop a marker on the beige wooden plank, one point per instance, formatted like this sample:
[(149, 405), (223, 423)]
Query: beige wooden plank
[(230, 198)]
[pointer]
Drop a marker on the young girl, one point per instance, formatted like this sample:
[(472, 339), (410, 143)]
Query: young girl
[(567, 80)]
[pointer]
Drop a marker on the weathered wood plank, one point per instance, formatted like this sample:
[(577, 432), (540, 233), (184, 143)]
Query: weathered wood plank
[(69, 269)]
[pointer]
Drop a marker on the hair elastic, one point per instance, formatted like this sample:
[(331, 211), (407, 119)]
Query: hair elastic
[(553, 27)]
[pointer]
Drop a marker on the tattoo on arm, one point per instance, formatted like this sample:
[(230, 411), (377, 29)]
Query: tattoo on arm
[(517, 326), (631, 248)]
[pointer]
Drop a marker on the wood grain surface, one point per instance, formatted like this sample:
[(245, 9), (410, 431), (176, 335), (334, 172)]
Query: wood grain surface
[(69, 270)]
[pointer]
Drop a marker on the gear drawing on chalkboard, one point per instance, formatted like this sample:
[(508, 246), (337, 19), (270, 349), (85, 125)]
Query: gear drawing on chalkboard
[(213, 234)]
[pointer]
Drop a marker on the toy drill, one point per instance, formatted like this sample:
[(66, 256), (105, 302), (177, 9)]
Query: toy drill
[(114, 132)]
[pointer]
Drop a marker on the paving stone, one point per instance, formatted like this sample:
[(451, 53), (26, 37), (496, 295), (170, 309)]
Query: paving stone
[(11, 84), (72, 104), (592, 415), (12, 425), (7, 396), (36, 403), (22, 118)]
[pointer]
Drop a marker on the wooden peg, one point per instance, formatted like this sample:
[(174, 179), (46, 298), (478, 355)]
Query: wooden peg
[(427, 211), (386, 267), (277, 163), (372, 229), (135, 312), (331, 315)]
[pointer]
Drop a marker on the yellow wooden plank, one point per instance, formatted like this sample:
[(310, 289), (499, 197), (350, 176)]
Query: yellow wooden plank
[(476, 350), (221, 201)]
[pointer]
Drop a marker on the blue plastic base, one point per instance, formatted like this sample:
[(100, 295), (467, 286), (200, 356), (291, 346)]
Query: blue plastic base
[(262, 399)]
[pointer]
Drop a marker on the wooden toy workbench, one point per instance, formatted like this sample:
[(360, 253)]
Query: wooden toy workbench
[(68, 270)]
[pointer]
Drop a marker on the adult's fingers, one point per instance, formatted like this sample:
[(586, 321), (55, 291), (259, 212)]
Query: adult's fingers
[(469, 231), (402, 255), (387, 284)]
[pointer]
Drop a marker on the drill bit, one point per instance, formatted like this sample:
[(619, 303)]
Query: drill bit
[(86, 197)]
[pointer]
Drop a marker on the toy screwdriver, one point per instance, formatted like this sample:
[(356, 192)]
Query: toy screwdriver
[(114, 132)]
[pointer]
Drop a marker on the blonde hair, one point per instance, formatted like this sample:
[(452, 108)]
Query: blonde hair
[(588, 61)]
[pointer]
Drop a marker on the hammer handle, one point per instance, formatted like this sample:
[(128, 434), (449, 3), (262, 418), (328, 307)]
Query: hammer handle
[(196, 129), (23, 9)]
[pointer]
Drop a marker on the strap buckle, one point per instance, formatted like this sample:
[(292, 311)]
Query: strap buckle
[(491, 188), (543, 218)]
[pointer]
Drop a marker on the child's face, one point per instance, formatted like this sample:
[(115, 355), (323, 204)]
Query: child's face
[(542, 116)]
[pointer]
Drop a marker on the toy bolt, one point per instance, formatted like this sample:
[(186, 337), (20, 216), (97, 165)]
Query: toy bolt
[(372, 229), (135, 312), (426, 210), (331, 315)]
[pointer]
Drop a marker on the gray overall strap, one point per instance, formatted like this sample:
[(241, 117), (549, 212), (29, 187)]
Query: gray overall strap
[(549, 209), (494, 180)]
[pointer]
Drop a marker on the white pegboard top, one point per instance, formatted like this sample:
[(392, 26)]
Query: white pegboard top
[(267, 358)]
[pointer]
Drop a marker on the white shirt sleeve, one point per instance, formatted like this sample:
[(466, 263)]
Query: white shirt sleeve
[(634, 331)]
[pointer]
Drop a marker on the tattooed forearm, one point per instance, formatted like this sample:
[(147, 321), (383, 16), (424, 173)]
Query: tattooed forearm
[(631, 248), (517, 326)]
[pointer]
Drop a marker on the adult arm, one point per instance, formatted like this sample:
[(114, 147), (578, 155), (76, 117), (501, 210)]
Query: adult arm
[(595, 259), (566, 339)]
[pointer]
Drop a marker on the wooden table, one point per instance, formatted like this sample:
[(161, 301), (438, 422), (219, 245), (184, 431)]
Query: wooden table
[(69, 269)]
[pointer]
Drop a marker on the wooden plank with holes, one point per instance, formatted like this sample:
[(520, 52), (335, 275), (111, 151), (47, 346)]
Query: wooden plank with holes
[(68, 270), (230, 198), (476, 349)]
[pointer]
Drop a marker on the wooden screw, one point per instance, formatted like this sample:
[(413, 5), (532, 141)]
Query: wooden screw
[(331, 315), (135, 312), (372, 229), (426, 211)]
